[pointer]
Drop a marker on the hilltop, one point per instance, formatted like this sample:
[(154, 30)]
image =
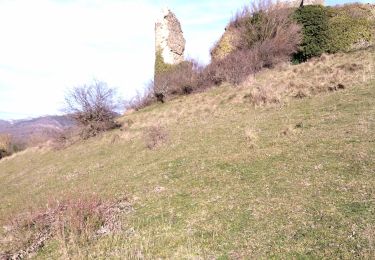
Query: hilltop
[(280, 166)]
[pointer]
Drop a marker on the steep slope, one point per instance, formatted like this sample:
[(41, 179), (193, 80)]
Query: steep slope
[(228, 180)]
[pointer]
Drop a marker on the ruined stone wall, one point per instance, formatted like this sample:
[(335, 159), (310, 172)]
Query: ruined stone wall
[(169, 39)]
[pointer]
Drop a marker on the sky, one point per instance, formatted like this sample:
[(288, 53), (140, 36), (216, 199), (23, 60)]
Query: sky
[(49, 46)]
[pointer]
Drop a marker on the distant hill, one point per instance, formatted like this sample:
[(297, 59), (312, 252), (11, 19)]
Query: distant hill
[(4, 124), (23, 129)]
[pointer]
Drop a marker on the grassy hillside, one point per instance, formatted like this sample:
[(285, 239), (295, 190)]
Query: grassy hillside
[(227, 180)]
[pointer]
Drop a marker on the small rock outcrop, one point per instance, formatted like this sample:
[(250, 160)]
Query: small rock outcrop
[(169, 39)]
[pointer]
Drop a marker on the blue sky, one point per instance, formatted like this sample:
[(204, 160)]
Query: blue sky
[(48, 46)]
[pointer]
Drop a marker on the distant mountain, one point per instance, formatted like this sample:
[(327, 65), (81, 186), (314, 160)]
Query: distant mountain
[(23, 129), (4, 124)]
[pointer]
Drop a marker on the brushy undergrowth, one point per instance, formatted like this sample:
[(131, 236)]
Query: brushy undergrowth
[(265, 35), (73, 223), (181, 79), (5, 145), (9, 145), (141, 99)]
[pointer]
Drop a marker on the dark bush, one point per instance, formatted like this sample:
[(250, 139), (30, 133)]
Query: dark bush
[(160, 97), (315, 24), (93, 108), (3, 153)]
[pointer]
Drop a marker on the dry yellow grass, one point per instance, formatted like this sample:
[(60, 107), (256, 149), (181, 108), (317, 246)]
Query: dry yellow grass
[(327, 73)]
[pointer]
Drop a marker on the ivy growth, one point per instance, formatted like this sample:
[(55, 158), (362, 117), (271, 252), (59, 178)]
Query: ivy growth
[(160, 65)]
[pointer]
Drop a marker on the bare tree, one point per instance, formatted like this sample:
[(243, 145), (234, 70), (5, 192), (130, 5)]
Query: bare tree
[(142, 99), (92, 107)]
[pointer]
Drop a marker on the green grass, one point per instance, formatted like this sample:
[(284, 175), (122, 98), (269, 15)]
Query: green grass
[(208, 192)]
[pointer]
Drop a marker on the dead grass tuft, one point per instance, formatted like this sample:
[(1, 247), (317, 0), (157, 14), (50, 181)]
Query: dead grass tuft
[(288, 131), (302, 93), (72, 222), (126, 124), (369, 235), (263, 95), (115, 139), (251, 138), (351, 67), (155, 136)]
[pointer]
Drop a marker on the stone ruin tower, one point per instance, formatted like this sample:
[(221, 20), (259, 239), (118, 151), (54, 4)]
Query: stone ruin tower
[(311, 2), (315, 2), (169, 39)]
